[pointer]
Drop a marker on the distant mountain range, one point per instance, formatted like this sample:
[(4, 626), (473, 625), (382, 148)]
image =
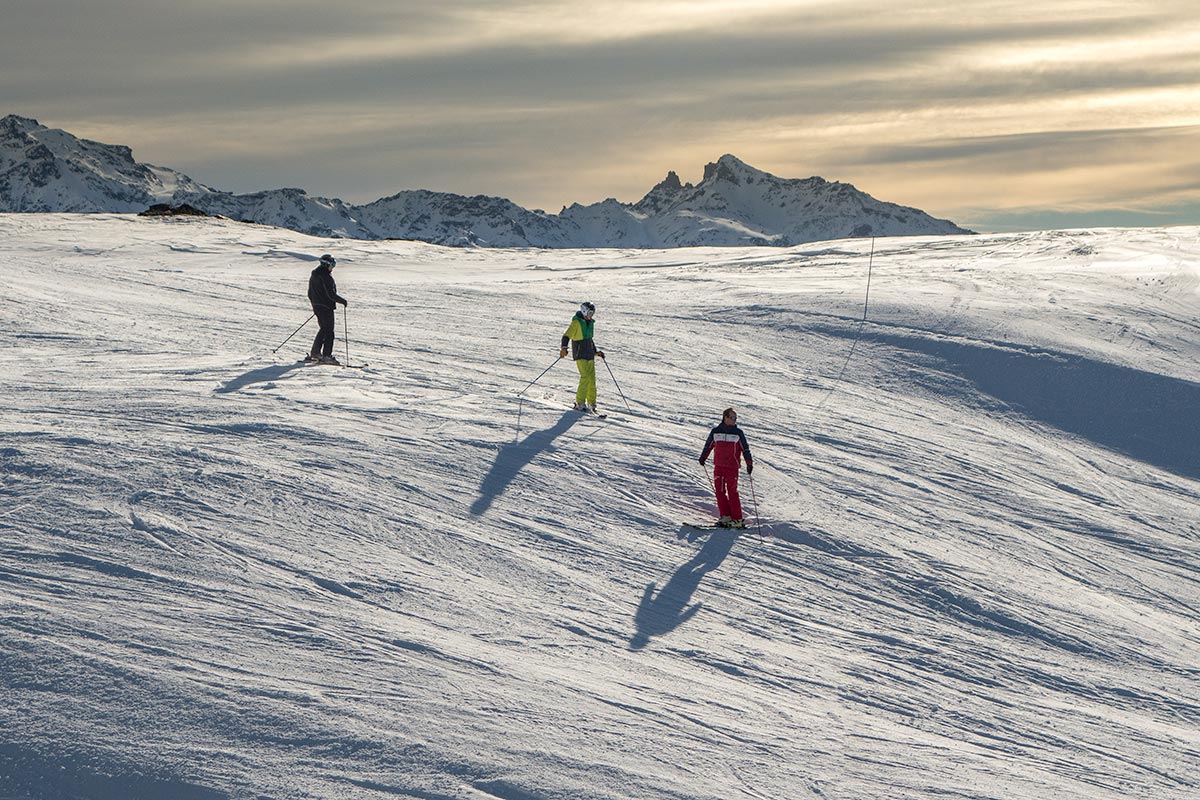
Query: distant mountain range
[(48, 170)]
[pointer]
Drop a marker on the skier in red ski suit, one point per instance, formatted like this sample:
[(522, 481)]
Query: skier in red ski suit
[(728, 445)]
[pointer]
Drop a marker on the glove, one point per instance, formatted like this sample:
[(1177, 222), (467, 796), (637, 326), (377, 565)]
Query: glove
[(345, 303), (702, 460), (599, 354), (562, 352), (749, 467)]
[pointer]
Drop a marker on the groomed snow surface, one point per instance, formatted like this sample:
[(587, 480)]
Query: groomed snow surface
[(973, 568)]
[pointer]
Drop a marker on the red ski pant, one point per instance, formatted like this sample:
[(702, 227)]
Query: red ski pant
[(729, 504)]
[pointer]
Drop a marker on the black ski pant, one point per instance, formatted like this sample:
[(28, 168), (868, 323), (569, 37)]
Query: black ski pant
[(323, 344)]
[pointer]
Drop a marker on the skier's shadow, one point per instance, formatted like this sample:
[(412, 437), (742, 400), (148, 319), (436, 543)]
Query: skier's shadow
[(513, 457), (664, 612), (262, 375)]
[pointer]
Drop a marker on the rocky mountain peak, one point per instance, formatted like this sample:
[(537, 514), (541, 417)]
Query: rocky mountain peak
[(664, 193), (671, 183), (12, 124), (15, 131), (730, 169)]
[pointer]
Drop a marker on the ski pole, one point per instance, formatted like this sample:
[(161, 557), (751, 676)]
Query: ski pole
[(746, 558), (539, 377), (614, 380), (758, 531), (754, 497), (712, 486), (346, 330), (708, 477), (293, 333)]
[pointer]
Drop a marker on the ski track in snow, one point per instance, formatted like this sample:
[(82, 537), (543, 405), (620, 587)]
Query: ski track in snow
[(972, 570)]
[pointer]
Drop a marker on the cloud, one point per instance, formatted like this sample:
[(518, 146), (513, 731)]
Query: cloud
[(1058, 149), (552, 102)]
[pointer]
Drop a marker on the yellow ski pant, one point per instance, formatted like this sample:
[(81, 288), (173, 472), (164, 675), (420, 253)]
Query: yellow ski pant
[(586, 393)]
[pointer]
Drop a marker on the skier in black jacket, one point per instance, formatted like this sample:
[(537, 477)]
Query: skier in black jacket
[(322, 293)]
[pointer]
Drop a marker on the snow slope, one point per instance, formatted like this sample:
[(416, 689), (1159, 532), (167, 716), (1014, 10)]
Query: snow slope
[(227, 575)]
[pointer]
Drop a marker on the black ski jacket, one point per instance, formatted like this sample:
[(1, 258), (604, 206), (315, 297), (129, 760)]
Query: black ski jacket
[(322, 291)]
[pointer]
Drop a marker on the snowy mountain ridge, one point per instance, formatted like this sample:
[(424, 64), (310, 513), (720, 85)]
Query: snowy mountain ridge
[(46, 170), (43, 169)]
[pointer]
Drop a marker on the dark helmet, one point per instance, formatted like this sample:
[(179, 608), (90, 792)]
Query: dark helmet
[(328, 260), (586, 308)]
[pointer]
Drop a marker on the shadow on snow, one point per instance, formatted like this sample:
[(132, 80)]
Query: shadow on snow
[(513, 457), (25, 772), (668, 609), (262, 375), (1148, 416)]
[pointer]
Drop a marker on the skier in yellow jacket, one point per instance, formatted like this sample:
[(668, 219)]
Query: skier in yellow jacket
[(584, 352)]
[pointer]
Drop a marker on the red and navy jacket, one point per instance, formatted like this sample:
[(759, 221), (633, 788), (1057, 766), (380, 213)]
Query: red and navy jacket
[(728, 445)]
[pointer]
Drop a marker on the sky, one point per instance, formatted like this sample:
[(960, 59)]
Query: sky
[(997, 115)]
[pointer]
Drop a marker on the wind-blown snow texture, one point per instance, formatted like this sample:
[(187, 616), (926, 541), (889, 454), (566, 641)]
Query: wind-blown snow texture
[(42, 169), (225, 574)]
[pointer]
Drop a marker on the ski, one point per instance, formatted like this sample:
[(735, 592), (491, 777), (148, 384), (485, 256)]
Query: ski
[(546, 403), (346, 366), (594, 415), (696, 527)]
